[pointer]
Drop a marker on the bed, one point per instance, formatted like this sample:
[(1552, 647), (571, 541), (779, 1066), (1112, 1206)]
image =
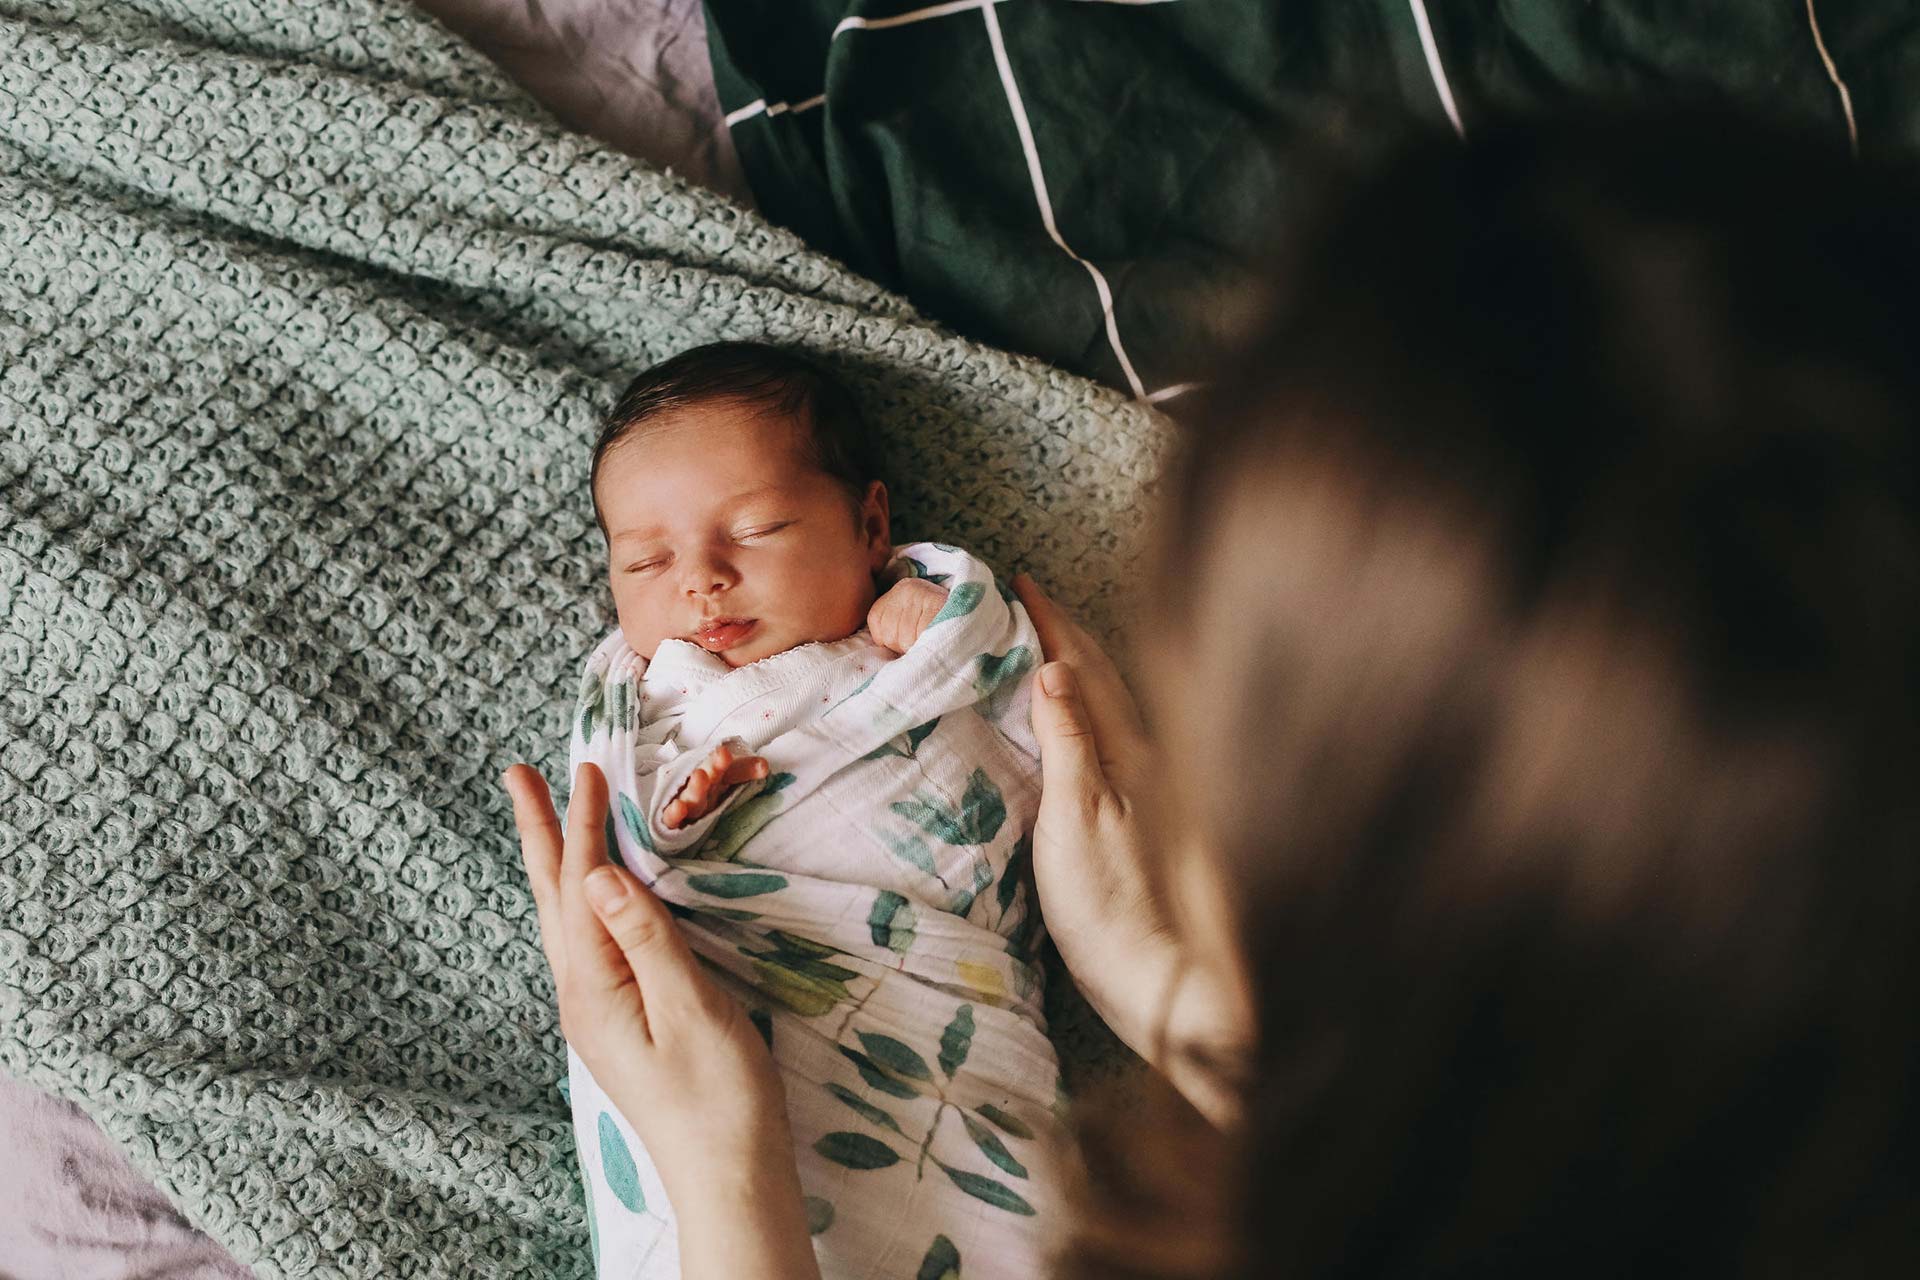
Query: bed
[(1094, 210)]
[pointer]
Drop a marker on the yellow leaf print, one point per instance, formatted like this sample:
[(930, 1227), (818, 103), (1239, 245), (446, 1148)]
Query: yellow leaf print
[(983, 978)]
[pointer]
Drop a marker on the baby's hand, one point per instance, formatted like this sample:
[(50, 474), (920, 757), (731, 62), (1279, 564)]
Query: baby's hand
[(904, 611), (704, 786)]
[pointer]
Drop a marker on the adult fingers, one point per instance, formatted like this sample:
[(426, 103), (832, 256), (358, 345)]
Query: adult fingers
[(671, 986), (1110, 708), (541, 843), (1070, 769), (593, 961)]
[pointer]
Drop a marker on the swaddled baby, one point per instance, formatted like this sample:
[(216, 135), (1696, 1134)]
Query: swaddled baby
[(818, 753)]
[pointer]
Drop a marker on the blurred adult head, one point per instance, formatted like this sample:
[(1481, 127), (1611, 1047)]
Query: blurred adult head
[(1549, 563)]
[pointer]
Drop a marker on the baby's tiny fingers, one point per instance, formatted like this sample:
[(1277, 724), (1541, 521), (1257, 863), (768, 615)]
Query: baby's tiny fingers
[(745, 770)]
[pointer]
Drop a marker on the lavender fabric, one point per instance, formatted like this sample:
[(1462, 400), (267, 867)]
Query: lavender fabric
[(632, 73), (74, 1209)]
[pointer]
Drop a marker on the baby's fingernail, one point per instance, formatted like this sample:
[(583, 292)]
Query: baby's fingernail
[(1057, 679), (606, 889)]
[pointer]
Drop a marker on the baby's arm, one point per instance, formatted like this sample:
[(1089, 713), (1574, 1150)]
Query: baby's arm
[(977, 648), (903, 611)]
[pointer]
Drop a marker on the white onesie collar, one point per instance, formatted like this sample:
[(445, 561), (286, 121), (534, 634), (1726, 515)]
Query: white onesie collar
[(682, 669)]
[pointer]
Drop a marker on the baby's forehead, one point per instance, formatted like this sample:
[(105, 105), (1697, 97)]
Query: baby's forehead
[(718, 426), (693, 462)]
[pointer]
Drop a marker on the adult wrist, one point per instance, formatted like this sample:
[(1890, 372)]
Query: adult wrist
[(1203, 1043), (743, 1218)]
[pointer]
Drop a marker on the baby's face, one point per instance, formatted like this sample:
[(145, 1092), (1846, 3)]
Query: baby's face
[(713, 513)]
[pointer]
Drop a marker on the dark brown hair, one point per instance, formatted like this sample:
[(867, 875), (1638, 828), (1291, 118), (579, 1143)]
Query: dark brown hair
[(783, 382), (1552, 555)]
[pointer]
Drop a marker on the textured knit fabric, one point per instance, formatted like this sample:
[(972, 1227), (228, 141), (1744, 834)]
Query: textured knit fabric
[(306, 317), (865, 902)]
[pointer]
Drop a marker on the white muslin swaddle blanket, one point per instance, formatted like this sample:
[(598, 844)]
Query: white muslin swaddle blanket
[(865, 902)]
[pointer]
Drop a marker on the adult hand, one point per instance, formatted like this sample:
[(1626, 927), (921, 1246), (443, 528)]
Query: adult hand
[(673, 1051), (1104, 890)]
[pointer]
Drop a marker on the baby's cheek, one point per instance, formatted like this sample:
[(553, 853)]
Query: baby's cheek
[(639, 626)]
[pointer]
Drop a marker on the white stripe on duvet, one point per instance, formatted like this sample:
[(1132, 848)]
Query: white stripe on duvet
[(1833, 74), (1434, 67)]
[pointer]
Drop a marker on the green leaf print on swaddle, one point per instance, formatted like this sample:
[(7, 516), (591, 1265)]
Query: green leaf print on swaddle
[(742, 822), (894, 1056), (1007, 1123), (941, 1263), (796, 973), (963, 600), (635, 822), (865, 1108), (737, 884), (963, 900), (956, 1040), (995, 670), (616, 1164), (1015, 868), (991, 1146), (891, 922), (914, 737), (876, 1078), (994, 1193), (856, 1151), (912, 850), (919, 570), (977, 821), (593, 700), (997, 678)]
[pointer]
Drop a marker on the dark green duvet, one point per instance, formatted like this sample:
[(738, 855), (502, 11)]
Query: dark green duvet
[(1086, 180)]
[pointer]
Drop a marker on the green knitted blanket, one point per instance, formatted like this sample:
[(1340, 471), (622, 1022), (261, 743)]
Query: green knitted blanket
[(306, 316)]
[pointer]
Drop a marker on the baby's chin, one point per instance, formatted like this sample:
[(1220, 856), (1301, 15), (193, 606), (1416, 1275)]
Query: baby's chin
[(765, 641), (756, 646), (759, 646)]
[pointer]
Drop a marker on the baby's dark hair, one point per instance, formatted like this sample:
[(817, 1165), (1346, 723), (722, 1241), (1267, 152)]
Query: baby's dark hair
[(838, 441)]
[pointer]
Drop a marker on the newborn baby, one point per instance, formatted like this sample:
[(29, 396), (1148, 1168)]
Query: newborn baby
[(818, 753)]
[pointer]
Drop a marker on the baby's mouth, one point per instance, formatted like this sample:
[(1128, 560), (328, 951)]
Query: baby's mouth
[(723, 633)]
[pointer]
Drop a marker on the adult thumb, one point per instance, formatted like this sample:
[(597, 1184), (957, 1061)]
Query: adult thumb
[(1069, 753)]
